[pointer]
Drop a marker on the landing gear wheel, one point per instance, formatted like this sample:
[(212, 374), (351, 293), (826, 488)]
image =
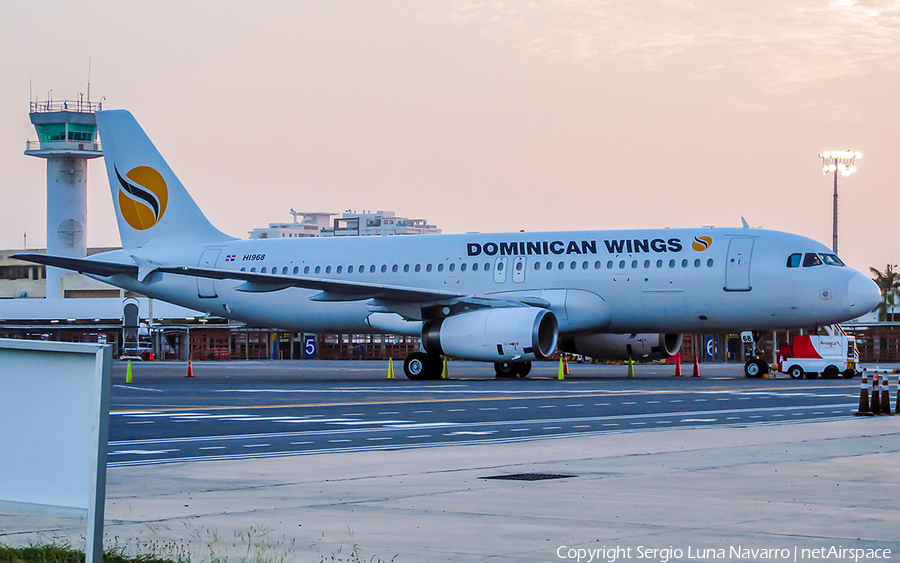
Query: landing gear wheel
[(755, 368), (831, 372), (512, 369), (418, 366), (796, 372)]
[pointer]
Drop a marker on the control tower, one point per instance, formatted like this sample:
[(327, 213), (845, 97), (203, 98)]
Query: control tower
[(67, 138)]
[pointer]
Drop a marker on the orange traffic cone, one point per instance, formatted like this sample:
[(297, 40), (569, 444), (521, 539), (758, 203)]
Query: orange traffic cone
[(864, 409), (678, 364), (886, 395), (190, 372), (696, 367), (876, 396)]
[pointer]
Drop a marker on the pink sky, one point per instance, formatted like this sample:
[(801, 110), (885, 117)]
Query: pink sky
[(490, 116)]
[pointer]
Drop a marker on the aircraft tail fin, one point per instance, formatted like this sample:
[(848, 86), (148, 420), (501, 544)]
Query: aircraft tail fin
[(152, 206)]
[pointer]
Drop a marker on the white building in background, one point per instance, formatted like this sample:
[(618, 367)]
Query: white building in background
[(319, 224)]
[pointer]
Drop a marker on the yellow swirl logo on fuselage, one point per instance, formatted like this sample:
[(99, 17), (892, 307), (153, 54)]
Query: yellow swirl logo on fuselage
[(143, 196), (701, 243)]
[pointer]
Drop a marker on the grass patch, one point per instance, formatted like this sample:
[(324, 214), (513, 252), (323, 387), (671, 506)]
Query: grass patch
[(65, 553)]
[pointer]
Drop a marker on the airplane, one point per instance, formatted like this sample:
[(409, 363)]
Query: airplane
[(505, 298)]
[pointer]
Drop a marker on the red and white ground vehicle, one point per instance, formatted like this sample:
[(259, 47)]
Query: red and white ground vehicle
[(831, 354)]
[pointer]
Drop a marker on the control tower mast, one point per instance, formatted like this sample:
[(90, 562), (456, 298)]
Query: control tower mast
[(67, 139)]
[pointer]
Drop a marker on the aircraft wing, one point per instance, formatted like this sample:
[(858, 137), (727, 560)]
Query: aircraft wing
[(80, 265), (332, 290)]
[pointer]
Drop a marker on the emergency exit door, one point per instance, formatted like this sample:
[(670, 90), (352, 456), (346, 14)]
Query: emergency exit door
[(206, 287), (737, 264)]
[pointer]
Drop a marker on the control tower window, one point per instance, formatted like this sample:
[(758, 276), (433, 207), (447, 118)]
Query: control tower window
[(793, 260)]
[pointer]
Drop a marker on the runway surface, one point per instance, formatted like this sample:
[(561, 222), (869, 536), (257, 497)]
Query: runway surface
[(234, 410)]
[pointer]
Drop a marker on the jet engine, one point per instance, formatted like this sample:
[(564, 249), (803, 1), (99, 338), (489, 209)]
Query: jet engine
[(624, 346), (513, 334)]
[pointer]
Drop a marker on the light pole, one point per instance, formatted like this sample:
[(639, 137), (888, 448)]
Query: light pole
[(842, 162)]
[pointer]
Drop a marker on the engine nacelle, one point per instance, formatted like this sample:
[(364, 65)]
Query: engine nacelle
[(625, 346), (494, 335)]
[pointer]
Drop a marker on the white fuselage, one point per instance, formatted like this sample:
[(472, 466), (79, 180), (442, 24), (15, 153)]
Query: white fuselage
[(664, 280)]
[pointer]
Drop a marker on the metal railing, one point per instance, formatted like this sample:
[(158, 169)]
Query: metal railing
[(62, 145), (65, 105)]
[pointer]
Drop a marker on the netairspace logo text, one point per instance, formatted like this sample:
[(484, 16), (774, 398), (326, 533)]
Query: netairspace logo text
[(734, 552)]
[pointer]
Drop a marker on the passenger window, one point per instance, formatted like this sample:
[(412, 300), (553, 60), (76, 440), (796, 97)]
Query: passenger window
[(561, 265), (572, 265), (487, 266), (418, 267), (440, 267), (327, 269), (349, 269), (811, 259), (684, 263), (597, 265), (462, 267), (243, 269), (296, 270), (609, 265), (793, 260), (659, 263), (499, 266), (697, 263), (263, 271), (383, 268), (584, 265), (253, 269), (394, 268), (453, 267), (284, 270), (634, 264), (339, 269), (537, 265), (475, 267), (428, 267), (646, 263), (621, 264), (406, 268), (318, 269), (549, 265), (709, 263), (306, 270), (671, 263)]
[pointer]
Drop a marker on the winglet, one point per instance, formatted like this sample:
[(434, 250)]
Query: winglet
[(744, 221)]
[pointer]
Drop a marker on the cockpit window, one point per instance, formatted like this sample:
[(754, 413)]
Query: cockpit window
[(811, 260), (793, 260), (831, 260)]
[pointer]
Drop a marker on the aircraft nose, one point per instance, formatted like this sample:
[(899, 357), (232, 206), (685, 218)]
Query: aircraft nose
[(862, 294)]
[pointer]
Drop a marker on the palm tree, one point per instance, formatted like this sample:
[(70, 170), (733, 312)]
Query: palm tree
[(889, 284)]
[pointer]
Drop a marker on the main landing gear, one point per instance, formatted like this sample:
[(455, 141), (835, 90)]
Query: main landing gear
[(755, 368), (421, 366), (512, 369)]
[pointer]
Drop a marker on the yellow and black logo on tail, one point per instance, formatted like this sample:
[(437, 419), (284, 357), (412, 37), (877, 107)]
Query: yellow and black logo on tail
[(143, 196), (701, 243)]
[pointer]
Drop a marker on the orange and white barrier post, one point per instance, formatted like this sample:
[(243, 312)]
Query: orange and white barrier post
[(678, 364), (864, 409), (696, 367), (190, 372), (876, 396), (886, 395)]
